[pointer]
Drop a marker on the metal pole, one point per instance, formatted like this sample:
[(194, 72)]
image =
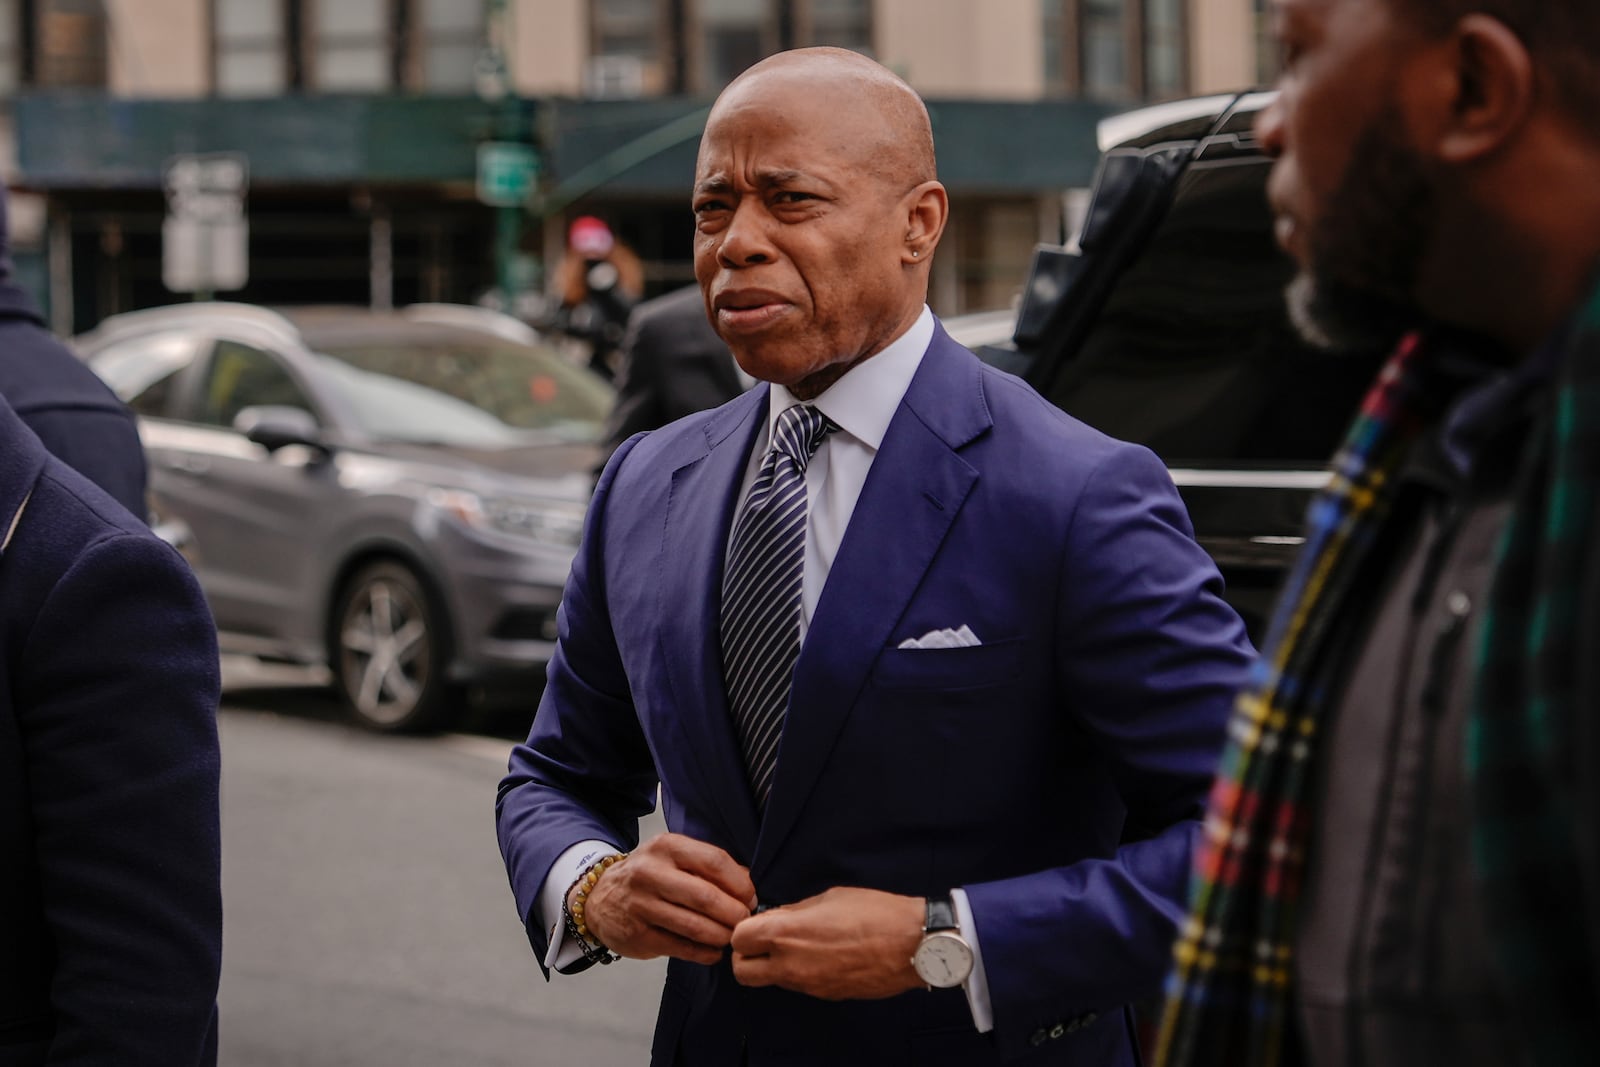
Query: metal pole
[(508, 220), (63, 313), (507, 236), (381, 276)]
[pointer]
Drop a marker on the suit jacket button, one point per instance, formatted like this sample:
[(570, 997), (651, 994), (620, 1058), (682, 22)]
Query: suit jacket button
[(1038, 1038)]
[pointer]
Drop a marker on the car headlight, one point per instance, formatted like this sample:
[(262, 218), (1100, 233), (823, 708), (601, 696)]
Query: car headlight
[(552, 522)]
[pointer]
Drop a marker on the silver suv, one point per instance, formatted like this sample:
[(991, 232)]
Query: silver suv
[(397, 495)]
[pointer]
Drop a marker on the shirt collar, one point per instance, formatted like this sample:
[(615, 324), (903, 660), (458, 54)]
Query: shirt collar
[(863, 401), (1484, 409)]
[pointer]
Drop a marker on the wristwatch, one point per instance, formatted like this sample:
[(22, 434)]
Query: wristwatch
[(943, 958)]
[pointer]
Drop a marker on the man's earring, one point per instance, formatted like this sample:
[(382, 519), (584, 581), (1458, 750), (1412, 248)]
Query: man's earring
[(915, 253)]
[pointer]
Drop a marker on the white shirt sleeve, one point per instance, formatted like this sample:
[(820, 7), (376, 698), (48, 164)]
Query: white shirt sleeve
[(547, 910), (977, 983)]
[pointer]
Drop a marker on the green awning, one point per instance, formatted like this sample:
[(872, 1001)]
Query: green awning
[(633, 148)]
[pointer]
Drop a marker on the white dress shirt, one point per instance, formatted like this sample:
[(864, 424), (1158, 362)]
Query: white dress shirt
[(861, 404)]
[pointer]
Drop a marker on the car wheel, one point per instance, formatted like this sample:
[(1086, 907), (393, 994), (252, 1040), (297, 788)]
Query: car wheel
[(389, 651)]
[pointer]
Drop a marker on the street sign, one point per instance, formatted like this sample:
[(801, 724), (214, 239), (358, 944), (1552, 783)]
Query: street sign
[(205, 236), (201, 257), (506, 170)]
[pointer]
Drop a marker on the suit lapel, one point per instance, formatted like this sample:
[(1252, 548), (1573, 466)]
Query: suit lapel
[(22, 458), (915, 489), (699, 510)]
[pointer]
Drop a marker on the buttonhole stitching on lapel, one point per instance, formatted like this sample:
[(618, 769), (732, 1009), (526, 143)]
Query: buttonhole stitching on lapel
[(935, 501)]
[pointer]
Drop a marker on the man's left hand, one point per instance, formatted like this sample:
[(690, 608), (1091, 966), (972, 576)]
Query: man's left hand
[(846, 944)]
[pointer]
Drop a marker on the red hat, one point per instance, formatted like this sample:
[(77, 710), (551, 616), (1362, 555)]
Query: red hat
[(589, 237)]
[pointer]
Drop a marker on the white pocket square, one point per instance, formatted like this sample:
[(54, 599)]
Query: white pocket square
[(962, 638)]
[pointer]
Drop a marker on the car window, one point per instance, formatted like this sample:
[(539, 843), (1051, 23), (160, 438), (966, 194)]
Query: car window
[(241, 376), (143, 370), (485, 393), (1192, 353)]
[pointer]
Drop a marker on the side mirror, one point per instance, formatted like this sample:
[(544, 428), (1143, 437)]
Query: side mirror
[(274, 426)]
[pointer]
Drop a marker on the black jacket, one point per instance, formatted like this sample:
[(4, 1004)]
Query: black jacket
[(59, 398), (111, 936), (1394, 960), (673, 364)]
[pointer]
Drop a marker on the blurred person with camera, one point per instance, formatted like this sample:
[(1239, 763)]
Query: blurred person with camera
[(599, 280)]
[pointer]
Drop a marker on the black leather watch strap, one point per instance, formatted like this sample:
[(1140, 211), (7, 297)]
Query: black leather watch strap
[(941, 915)]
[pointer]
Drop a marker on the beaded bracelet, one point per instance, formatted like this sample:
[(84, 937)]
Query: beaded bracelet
[(572, 913)]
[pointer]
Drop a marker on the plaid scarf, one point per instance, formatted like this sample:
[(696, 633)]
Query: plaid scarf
[(1533, 749), (1532, 706), (1228, 998)]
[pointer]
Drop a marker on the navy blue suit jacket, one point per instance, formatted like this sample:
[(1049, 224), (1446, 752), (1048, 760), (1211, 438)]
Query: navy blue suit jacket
[(1056, 772), (110, 896)]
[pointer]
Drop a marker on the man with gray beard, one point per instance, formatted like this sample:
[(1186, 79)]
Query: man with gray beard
[(1402, 852)]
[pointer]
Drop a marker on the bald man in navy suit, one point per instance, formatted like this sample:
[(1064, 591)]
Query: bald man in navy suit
[(1005, 664)]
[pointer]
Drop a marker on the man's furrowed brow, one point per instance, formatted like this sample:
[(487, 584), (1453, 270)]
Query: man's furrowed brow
[(714, 184), (769, 178), (718, 184)]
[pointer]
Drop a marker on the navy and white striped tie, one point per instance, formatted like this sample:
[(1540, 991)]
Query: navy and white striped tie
[(761, 592)]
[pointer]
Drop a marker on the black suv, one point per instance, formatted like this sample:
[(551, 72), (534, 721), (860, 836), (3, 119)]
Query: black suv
[(1167, 326)]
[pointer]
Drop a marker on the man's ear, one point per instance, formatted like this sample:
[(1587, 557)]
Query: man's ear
[(1495, 87), (928, 209)]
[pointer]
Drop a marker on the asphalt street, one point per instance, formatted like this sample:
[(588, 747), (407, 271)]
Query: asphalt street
[(368, 919)]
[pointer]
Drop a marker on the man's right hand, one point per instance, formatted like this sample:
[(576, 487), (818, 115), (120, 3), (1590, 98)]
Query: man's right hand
[(673, 896)]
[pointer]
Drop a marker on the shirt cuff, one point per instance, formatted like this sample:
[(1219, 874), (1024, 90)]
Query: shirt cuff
[(568, 866), (977, 983)]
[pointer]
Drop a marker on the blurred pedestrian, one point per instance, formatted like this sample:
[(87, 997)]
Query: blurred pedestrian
[(600, 279), (1402, 858), (934, 720), (111, 942), (74, 413), (673, 364)]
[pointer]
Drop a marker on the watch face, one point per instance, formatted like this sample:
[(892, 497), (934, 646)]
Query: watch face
[(943, 960)]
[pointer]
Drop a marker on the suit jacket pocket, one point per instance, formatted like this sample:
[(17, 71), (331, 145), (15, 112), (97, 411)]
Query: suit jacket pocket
[(973, 667)]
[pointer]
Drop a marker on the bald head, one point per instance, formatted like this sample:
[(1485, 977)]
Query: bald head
[(898, 146), (816, 214)]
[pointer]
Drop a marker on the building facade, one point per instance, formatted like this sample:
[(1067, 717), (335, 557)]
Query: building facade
[(361, 122)]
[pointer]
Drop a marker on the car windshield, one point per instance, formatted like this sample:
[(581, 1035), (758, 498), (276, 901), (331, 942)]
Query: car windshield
[(463, 393)]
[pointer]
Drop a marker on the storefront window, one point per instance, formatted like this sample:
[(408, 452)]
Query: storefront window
[(648, 46), (450, 39), (72, 43), (1119, 50), (1104, 38), (841, 24), (1052, 31), (1268, 60), (630, 54), (251, 47), (10, 46), (734, 35), (1163, 49), (353, 46)]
